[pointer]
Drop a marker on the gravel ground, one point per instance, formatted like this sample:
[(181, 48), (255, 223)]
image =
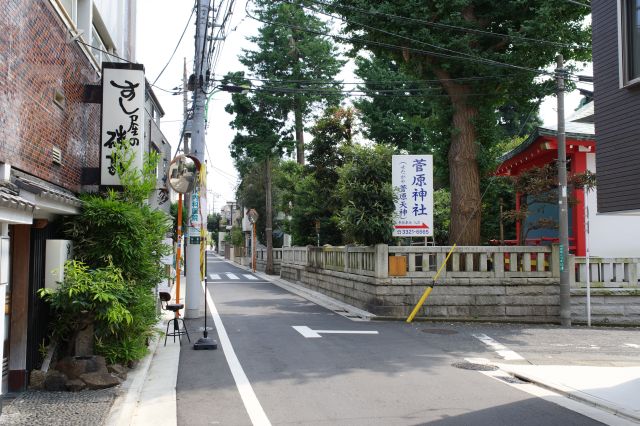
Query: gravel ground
[(34, 408)]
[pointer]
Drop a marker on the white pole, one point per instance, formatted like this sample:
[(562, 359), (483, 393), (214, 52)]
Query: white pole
[(588, 275)]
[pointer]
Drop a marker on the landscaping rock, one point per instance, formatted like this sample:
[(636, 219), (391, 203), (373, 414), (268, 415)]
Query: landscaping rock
[(55, 381), (100, 380), (119, 370), (75, 385), (74, 367), (36, 380)]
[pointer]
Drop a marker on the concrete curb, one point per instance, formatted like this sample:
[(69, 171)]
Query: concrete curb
[(125, 405), (571, 393), (323, 300), (148, 396)]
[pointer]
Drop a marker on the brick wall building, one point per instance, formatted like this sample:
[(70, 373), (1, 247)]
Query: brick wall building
[(51, 53)]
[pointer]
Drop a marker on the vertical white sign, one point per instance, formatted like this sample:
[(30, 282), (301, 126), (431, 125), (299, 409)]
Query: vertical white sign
[(123, 91), (412, 180)]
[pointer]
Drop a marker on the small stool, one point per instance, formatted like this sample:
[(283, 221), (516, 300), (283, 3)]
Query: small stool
[(173, 307)]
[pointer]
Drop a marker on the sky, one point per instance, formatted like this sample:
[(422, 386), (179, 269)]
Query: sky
[(160, 24)]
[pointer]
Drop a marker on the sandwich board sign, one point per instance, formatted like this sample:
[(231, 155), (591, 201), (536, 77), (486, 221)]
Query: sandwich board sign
[(412, 181)]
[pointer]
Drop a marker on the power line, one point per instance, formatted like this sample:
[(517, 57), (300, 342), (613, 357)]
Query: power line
[(177, 45), (401, 48), (578, 3), (441, 25)]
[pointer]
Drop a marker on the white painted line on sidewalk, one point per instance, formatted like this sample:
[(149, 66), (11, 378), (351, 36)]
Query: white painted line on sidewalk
[(251, 404), (632, 345), (214, 276), (232, 276), (499, 348), (250, 277), (314, 334)]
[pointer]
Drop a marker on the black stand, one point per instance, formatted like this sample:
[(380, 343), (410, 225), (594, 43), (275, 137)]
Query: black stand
[(205, 342)]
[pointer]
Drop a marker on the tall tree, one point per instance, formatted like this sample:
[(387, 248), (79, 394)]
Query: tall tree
[(482, 54), (298, 66), (316, 198), (261, 137)]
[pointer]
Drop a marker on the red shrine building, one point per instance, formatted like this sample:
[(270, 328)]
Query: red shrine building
[(608, 235)]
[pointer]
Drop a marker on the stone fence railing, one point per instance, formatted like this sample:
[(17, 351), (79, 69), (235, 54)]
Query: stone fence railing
[(512, 283), (424, 262)]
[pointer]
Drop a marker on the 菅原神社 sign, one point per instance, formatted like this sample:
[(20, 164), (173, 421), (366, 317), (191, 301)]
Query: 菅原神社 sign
[(412, 181), (123, 90)]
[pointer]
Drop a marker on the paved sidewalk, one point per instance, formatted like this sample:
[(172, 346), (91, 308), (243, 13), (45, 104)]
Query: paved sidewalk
[(614, 389), (149, 394)]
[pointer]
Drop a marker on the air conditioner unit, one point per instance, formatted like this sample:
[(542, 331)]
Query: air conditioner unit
[(57, 252)]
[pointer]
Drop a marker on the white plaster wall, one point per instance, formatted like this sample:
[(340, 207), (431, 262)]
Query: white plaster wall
[(611, 235)]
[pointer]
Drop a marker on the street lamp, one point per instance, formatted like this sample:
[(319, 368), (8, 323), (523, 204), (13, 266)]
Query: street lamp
[(252, 215)]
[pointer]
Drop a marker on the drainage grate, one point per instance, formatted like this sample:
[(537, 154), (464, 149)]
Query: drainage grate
[(512, 380), (473, 366), (442, 331)]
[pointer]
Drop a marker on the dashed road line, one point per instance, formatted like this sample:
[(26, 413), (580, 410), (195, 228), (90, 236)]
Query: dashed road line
[(632, 345), (499, 348), (250, 277), (214, 276), (232, 276)]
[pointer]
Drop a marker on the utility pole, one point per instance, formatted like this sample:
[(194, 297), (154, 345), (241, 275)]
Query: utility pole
[(195, 298), (563, 223), (185, 102)]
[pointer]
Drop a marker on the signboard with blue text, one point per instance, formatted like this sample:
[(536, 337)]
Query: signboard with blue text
[(412, 181)]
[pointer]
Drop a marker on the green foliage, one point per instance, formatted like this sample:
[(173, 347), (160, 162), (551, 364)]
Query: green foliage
[(213, 222), (128, 234), (118, 242), (118, 310), (291, 52), (315, 196), (481, 81), (441, 216), (237, 237), (364, 185)]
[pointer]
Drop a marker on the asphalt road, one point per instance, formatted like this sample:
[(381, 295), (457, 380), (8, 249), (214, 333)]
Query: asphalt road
[(271, 372)]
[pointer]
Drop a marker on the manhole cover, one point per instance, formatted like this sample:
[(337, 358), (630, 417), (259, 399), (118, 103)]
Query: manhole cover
[(473, 366), (443, 331)]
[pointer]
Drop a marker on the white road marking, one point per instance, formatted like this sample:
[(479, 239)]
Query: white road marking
[(499, 348), (250, 277), (251, 404), (232, 276), (214, 276), (632, 345), (314, 334)]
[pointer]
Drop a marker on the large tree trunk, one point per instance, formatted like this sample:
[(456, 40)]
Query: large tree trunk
[(464, 174), (297, 112), (268, 218)]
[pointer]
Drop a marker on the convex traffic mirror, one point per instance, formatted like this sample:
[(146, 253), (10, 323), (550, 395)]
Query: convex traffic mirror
[(182, 174)]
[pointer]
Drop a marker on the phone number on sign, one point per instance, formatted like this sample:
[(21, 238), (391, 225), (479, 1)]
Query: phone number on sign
[(425, 232)]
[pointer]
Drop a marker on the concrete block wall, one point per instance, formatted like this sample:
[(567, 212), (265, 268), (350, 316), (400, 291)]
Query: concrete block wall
[(610, 306)]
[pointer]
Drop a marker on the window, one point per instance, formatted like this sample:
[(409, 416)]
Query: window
[(71, 7), (629, 42), (96, 42)]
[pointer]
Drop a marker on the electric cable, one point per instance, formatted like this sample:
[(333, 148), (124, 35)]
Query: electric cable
[(441, 25), (400, 48), (177, 45)]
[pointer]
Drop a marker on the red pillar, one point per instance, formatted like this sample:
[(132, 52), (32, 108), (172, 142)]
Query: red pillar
[(518, 195), (578, 166)]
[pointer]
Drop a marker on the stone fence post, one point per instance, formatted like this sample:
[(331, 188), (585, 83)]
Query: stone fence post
[(381, 261)]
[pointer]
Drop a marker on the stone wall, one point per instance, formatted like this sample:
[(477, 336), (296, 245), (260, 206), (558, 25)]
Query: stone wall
[(488, 299), (609, 306)]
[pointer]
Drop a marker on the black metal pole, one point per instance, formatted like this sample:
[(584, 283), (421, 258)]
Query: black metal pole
[(205, 342)]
